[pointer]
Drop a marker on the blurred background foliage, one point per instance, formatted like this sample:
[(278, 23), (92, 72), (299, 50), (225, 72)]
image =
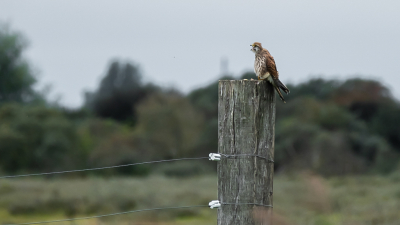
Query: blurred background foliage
[(332, 127), (16, 74)]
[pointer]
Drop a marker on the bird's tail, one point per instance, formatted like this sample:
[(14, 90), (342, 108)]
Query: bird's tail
[(280, 93), (280, 85)]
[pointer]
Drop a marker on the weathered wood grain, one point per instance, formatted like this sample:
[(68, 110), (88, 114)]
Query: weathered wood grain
[(246, 121)]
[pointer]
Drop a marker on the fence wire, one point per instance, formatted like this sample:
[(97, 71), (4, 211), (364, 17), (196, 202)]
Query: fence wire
[(239, 155), (130, 164), (106, 215), (100, 168), (133, 211), (257, 204)]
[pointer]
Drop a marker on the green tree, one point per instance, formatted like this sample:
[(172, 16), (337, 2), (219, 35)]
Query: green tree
[(16, 75), (168, 126), (119, 92), (318, 88), (36, 138), (387, 123)]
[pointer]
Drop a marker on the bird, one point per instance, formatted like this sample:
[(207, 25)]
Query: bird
[(265, 68)]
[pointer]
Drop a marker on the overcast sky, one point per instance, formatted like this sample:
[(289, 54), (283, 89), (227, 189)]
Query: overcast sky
[(180, 43)]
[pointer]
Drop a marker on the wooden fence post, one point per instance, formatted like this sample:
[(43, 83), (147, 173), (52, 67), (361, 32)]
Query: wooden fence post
[(246, 125)]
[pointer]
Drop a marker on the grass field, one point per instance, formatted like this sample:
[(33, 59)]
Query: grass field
[(301, 199)]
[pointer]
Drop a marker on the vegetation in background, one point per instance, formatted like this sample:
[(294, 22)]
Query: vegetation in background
[(16, 74), (37, 138), (332, 127), (119, 93), (302, 199)]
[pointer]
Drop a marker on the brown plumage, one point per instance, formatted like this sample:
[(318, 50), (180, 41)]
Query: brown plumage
[(265, 68)]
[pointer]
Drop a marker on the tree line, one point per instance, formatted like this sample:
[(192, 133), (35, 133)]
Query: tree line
[(333, 127)]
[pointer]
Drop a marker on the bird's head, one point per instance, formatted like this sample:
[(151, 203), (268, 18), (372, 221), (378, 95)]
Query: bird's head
[(256, 47)]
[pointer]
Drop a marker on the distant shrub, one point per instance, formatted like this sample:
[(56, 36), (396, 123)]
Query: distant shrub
[(36, 138)]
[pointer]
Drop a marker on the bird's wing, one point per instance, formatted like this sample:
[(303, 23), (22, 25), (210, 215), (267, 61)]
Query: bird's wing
[(271, 67)]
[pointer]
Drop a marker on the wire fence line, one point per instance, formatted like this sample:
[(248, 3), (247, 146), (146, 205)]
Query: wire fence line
[(107, 215), (257, 204), (131, 164), (259, 156), (133, 211), (100, 168)]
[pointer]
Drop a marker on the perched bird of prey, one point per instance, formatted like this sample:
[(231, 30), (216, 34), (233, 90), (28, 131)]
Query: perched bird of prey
[(265, 68)]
